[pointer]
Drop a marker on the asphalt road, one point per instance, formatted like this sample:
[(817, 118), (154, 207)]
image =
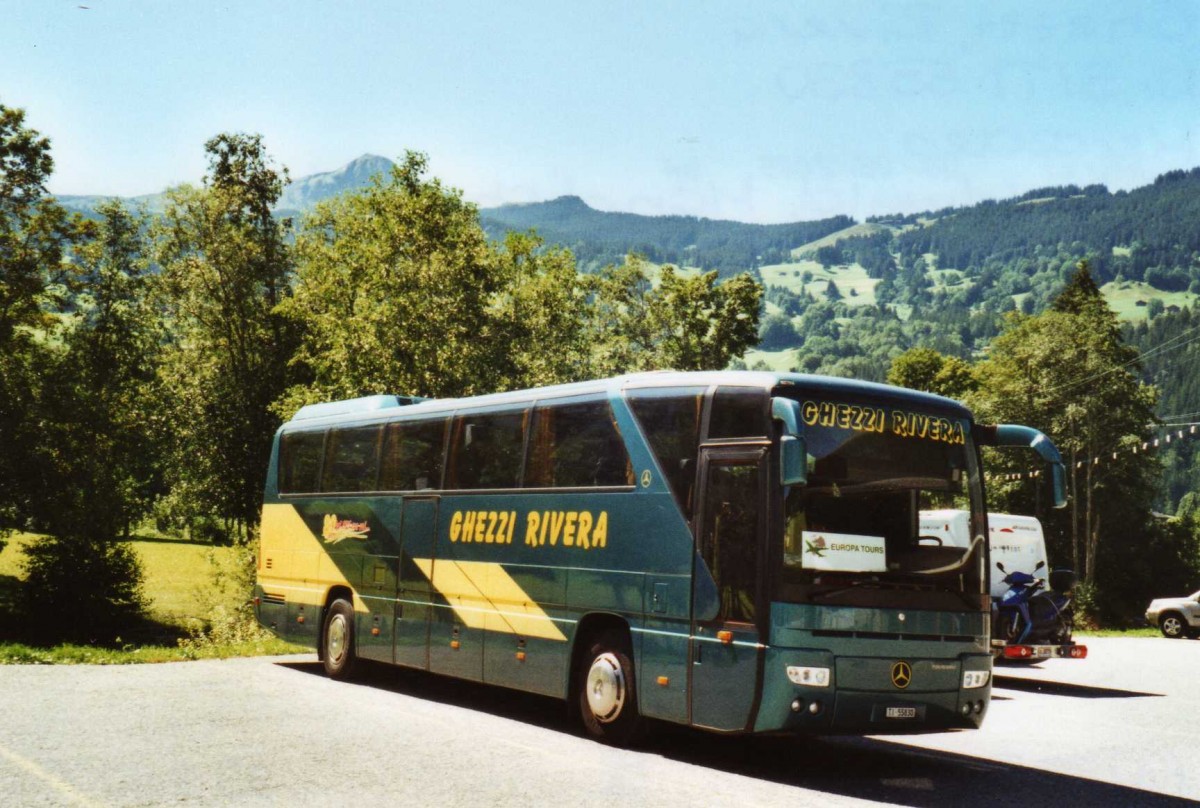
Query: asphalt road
[(1116, 729)]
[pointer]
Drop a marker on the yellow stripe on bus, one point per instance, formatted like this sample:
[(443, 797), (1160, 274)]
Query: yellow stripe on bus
[(296, 554), (486, 597)]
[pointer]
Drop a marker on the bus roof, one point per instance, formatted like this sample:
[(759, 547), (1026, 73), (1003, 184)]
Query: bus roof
[(386, 407)]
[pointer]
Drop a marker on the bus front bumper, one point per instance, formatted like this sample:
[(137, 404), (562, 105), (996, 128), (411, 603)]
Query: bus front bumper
[(810, 690)]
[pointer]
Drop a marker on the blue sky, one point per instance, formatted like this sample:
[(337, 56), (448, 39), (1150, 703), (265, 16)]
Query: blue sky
[(751, 111)]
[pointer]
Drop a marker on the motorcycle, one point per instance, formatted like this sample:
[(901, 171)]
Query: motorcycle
[(1028, 614)]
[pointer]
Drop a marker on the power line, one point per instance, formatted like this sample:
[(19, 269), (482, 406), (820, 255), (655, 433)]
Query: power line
[(1156, 350)]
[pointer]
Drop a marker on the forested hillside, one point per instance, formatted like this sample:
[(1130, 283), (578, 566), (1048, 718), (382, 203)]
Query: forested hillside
[(598, 237)]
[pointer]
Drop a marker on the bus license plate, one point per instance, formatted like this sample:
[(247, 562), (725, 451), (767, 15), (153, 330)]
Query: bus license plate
[(901, 712)]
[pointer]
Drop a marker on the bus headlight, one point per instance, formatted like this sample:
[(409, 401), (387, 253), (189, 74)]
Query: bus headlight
[(812, 677), (974, 679)]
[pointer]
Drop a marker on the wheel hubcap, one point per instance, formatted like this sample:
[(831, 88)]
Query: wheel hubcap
[(606, 688), (1172, 626), (335, 645)]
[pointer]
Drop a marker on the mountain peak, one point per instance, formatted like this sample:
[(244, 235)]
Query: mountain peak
[(305, 192), (370, 163)]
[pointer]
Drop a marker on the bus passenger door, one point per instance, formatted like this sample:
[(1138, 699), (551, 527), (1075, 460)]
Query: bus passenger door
[(418, 529), (725, 640)]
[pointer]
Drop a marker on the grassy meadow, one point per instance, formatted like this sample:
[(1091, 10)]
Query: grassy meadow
[(857, 289), (1124, 298)]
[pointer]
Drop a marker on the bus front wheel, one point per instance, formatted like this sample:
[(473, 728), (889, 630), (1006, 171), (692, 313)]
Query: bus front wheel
[(337, 640), (607, 691)]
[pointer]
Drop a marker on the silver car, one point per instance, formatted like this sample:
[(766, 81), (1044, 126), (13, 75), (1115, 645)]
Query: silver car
[(1177, 617)]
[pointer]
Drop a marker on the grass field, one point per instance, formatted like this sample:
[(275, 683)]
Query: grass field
[(1124, 297), (847, 277), (779, 361)]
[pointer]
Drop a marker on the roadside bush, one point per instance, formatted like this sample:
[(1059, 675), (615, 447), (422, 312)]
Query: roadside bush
[(81, 590), (227, 603)]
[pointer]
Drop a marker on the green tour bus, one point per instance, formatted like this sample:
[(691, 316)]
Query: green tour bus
[(734, 551)]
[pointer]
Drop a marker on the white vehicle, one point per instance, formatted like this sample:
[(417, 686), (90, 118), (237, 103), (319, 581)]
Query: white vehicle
[(1176, 617), (1017, 542)]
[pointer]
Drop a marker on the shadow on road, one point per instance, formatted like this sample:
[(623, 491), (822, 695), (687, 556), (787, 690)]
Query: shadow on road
[(864, 768), (1067, 689)]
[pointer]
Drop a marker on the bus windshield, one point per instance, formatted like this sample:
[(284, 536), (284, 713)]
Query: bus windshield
[(851, 533)]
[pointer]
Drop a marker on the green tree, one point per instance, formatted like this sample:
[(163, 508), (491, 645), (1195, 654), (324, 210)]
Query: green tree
[(34, 231), (101, 401), (926, 369), (226, 266), (398, 290), (540, 314), (832, 293), (1067, 373), (777, 333), (685, 323)]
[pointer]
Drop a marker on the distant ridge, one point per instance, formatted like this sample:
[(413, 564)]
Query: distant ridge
[(299, 196), (599, 237)]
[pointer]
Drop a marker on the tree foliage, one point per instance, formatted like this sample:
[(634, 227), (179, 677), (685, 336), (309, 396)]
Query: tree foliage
[(34, 232), (683, 323), (225, 268), (101, 437), (1067, 372), (398, 289), (925, 369)]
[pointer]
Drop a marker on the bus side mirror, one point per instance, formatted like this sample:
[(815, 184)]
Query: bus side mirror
[(1055, 475), (793, 453), (793, 460), (1056, 485)]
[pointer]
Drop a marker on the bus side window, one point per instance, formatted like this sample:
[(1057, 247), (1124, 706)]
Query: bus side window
[(576, 445), (412, 456), (671, 420), (351, 459), (486, 451), (300, 462)]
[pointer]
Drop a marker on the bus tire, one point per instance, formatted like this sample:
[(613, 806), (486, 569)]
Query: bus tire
[(607, 691), (337, 640)]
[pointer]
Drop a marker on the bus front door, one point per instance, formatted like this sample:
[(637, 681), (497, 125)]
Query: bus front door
[(725, 641), (418, 529)]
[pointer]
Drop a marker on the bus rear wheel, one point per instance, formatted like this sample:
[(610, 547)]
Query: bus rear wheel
[(607, 692), (337, 640)]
